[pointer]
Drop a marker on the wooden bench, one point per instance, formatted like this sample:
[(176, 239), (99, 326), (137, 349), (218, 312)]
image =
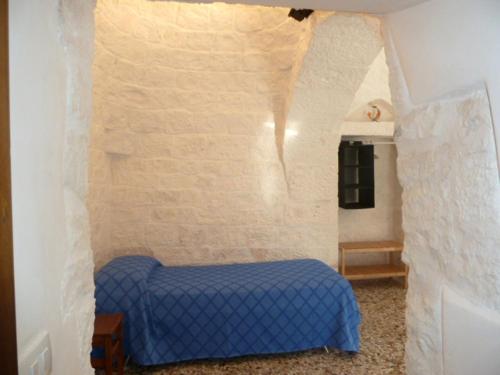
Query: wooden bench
[(108, 336), (395, 267)]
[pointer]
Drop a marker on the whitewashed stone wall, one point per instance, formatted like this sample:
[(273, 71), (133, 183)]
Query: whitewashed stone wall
[(451, 212), (77, 32), (451, 216), (338, 59), (190, 103), (77, 284), (51, 50)]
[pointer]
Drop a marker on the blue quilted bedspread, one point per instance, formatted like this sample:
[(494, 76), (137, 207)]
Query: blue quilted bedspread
[(221, 311)]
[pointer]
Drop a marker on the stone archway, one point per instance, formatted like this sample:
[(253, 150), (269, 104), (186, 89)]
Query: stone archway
[(76, 28), (77, 36)]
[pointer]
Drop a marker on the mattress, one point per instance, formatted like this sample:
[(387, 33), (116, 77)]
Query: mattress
[(222, 311)]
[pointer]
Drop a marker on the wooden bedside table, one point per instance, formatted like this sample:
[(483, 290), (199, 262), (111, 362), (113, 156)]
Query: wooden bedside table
[(107, 343)]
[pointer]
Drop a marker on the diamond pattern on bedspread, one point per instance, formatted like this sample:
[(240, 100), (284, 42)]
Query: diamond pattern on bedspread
[(182, 313)]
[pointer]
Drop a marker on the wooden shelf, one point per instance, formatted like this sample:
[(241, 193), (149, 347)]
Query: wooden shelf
[(353, 206), (357, 186), (356, 175), (371, 247), (374, 272), (395, 268), (357, 166)]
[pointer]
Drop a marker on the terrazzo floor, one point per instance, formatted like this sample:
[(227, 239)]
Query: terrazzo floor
[(382, 339)]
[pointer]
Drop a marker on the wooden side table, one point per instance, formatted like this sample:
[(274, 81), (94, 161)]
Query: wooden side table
[(108, 336), (395, 268)]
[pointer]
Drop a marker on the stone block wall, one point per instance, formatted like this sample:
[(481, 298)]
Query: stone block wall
[(340, 54), (451, 215), (190, 102), (448, 170)]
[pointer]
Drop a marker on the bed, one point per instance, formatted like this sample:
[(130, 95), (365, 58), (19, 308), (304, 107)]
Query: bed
[(221, 311)]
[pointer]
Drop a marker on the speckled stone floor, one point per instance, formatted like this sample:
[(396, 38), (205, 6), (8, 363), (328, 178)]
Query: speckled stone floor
[(382, 339)]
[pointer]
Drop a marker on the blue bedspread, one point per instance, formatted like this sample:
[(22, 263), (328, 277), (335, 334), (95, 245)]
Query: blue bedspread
[(184, 313)]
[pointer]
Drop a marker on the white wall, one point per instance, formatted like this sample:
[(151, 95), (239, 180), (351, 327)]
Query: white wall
[(383, 222), (448, 168), (186, 160), (444, 45), (28, 209), (43, 126), (470, 336), (451, 215), (338, 59)]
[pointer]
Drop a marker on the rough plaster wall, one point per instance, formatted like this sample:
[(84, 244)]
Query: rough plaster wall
[(77, 284), (280, 118), (433, 65), (184, 147), (189, 102), (341, 51), (451, 216), (50, 58), (451, 210)]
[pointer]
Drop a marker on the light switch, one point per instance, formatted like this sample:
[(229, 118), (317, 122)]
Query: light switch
[(47, 361), (35, 359), (35, 368)]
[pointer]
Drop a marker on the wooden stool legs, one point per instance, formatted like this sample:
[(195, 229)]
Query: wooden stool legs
[(108, 355), (108, 335), (120, 353)]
